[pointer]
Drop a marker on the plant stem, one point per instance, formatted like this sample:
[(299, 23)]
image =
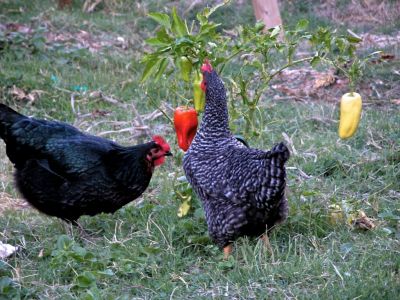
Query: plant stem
[(229, 58), (289, 64), (351, 81), (159, 108)]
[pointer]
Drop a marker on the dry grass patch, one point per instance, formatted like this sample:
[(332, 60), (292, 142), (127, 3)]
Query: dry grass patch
[(378, 12), (7, 202)]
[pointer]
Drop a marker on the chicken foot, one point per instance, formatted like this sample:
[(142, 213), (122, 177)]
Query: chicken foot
[(227, 251)]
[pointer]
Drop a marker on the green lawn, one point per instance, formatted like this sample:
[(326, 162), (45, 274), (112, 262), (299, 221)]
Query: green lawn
[(145, 251)]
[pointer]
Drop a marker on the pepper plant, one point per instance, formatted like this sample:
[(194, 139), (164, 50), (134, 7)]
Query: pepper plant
[(180, 46)]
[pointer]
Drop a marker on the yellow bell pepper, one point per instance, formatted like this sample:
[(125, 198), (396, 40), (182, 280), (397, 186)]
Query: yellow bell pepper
[(350, 114)]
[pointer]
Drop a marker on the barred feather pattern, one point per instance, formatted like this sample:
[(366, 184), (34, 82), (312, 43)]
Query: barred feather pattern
[(242, 189)]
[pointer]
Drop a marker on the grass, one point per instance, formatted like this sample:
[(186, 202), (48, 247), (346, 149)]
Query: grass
[(144, 251)]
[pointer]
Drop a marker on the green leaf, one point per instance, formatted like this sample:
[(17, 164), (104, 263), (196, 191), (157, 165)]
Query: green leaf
[(315, 61), (155, 42), (162, 19), (85, 280), (260, 25), (63, 242), (353, 39), (183, 41), (149, 69), (201, 18), (207, 29), (161, 69), (163, 36), (39, 44), (6, 285), (209, 11), (178, 25), (275, 31), (302, 25), (79, 251), (341, 44), (227, 264), (162, 51), (92, 294), (291, 51)]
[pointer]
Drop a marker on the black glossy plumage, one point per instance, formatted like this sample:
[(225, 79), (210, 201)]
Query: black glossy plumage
[(242, 189), (65, 173)]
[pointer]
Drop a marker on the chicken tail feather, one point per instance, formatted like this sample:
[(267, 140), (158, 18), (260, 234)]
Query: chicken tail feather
[(282, 150), (8, 117), (276, 174)]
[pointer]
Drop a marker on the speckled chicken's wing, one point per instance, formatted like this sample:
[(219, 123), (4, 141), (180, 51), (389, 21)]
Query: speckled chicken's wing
[(242, 174)]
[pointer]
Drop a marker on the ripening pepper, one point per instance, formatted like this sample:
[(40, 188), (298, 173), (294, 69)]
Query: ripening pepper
[(336, 214), (350, 113), (186, 68), (199, 97), (185, 122)]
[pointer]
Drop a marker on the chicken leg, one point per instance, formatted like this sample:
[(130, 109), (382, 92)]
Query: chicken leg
[(227, 251)]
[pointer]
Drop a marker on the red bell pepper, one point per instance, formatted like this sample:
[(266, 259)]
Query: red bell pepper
[(185, 122)]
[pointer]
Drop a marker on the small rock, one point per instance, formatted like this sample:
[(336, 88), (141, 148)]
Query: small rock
[(6, 250)]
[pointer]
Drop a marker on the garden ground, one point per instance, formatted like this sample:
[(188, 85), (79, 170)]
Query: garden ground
[(85, 69)]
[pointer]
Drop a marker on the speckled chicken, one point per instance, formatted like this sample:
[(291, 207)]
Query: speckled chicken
[(242, 189), (65, 173)]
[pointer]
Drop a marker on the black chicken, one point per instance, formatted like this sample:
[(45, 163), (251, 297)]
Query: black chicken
[(242, 189), (66, 173)]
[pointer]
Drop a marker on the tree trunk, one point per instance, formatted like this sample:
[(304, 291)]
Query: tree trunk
[(267, 11)]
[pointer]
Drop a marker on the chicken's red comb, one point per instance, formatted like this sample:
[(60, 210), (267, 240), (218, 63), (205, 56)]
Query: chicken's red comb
[(161, 141), (206, 67)]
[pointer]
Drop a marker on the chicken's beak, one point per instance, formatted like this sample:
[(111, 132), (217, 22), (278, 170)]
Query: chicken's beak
[(168, 153)]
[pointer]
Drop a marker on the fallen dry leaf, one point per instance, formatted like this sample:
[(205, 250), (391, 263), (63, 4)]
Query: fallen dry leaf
[(395, 101), (21, 95), (16, 27), (7, 202), (324, 80), (383, 57), (17, 93), (361, 221), (100, 113), (387, 56)]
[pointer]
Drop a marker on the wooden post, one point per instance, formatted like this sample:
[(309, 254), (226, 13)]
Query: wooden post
[(267, 11)]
